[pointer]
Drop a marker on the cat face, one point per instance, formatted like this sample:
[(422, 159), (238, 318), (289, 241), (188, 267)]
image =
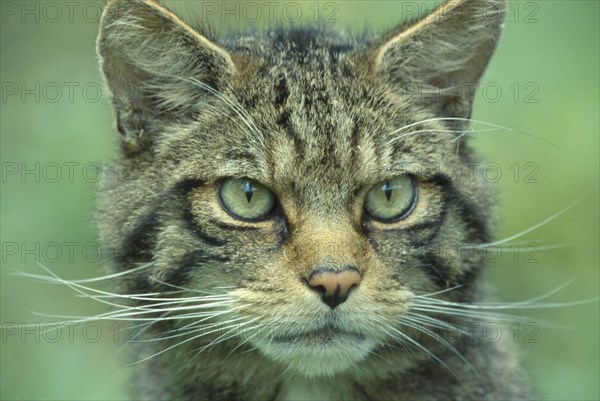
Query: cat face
[(311, 187)]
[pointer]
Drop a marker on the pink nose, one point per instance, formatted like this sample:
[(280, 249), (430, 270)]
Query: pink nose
[(334, 286)]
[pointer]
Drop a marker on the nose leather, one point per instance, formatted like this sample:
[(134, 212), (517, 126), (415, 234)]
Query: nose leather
[(334, 285)]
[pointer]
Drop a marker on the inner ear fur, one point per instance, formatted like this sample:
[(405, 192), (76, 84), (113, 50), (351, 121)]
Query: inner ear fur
[(440, 58), (158, 69)]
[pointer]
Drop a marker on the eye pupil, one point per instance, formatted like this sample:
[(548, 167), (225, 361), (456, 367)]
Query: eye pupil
[(387, 189), (249, 189)]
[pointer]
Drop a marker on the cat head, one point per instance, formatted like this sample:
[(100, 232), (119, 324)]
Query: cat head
[(316, 185)]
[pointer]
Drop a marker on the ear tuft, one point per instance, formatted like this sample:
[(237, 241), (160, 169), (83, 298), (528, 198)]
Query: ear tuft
[(158, 69)]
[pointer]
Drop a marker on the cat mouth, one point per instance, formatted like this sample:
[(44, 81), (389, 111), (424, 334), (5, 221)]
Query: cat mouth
[(323, 351), (327, 334)]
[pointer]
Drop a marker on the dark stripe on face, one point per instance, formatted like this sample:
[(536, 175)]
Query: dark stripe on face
[(429, 229), (429, 224), (419, 235), (203, 236), (270, 159), (297, 42), (472, 216), (469, 212), (140, 284), (227, 226), (194, 260), (285, 123), (138, 243), (354, 141), (282, 231), (437, 269), (281, 91), (438, 258), (284, 120), (239, 154), (182, 190)]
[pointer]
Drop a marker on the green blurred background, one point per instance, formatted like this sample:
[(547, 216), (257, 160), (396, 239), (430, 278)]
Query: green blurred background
[(543, 82)]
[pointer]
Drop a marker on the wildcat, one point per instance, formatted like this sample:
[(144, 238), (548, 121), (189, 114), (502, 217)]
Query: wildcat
[(281, 205)]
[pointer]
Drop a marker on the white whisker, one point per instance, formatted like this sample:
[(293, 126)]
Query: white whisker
[(52, 280), (528, 230)]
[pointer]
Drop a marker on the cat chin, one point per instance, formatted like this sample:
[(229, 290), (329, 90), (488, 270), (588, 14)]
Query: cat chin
[(313, 358)]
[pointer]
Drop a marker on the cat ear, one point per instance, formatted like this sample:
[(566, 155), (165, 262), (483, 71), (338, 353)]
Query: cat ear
[(440, 58), (158, 69)]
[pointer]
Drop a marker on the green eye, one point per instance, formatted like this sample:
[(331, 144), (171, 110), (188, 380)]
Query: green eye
[(392, 199), (246, 199)]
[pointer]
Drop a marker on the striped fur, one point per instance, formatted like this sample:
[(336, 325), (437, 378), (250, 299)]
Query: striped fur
[(319, 118)]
